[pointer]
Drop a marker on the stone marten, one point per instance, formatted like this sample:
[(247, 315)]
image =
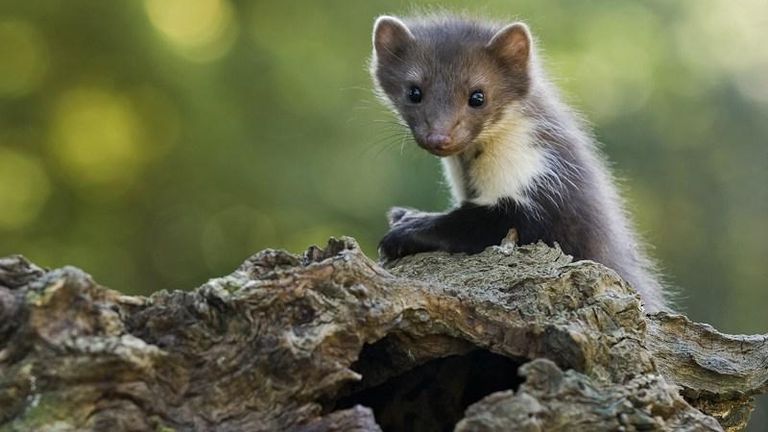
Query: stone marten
[(516, 157)]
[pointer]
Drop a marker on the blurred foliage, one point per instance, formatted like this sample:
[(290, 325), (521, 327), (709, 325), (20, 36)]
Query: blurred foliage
[(157, 143)]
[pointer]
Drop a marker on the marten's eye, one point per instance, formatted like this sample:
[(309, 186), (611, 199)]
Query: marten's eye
[(414, 94), (477, 99)]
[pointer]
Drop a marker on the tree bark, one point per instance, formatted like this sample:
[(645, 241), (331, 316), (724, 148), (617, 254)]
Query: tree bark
[(514, 338)]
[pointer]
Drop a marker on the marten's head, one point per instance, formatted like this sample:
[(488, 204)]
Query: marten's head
[(452, 81)]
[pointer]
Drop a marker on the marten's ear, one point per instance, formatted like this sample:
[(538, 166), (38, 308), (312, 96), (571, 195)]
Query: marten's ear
[(513, 45), (390, 38)]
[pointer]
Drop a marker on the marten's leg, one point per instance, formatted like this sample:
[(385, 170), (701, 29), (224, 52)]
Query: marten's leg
[(469, 228)]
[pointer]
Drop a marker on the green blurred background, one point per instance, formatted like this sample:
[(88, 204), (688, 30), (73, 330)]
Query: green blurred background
[(158, 143)]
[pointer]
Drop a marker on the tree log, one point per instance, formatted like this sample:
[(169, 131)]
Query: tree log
[(514, 338)]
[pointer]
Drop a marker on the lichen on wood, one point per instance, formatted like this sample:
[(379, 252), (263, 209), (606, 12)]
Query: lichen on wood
[(514, 338)]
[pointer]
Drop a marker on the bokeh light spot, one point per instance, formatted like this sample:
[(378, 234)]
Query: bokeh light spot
[(24, 188), (24, 58), (729, 41), (201, 30), (613, 72), (97, 137)]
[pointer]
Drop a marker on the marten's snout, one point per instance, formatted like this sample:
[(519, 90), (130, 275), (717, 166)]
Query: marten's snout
[(439, 144), (437, 140), (440, 138)]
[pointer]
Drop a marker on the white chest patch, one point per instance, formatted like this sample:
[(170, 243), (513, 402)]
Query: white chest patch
[(509, 164), (454, 175)]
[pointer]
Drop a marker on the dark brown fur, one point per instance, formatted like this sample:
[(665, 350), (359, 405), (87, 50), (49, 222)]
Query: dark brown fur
[(451, 60), (571, 200)]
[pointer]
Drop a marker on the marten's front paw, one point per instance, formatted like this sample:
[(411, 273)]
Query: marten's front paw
[(394, 245), (397, 214), (403, 215), (405, 238)]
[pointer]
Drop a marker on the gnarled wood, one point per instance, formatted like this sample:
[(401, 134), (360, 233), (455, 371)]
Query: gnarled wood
[(303, 343)]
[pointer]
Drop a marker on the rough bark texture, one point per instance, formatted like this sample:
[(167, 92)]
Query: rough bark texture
[(510, 339)]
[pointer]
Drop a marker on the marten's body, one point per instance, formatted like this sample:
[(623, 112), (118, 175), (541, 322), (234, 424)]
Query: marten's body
[(514, 155)]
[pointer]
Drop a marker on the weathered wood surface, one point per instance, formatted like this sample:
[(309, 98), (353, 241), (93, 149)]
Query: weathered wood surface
[(520, 338)]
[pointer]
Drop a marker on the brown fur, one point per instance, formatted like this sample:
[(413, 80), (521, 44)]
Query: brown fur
[(524, 160)]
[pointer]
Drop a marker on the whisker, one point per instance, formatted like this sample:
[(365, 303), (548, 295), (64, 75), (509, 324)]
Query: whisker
[(384, 142)]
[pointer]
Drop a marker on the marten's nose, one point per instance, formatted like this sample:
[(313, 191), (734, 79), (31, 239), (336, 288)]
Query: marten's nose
[(438, 141)]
